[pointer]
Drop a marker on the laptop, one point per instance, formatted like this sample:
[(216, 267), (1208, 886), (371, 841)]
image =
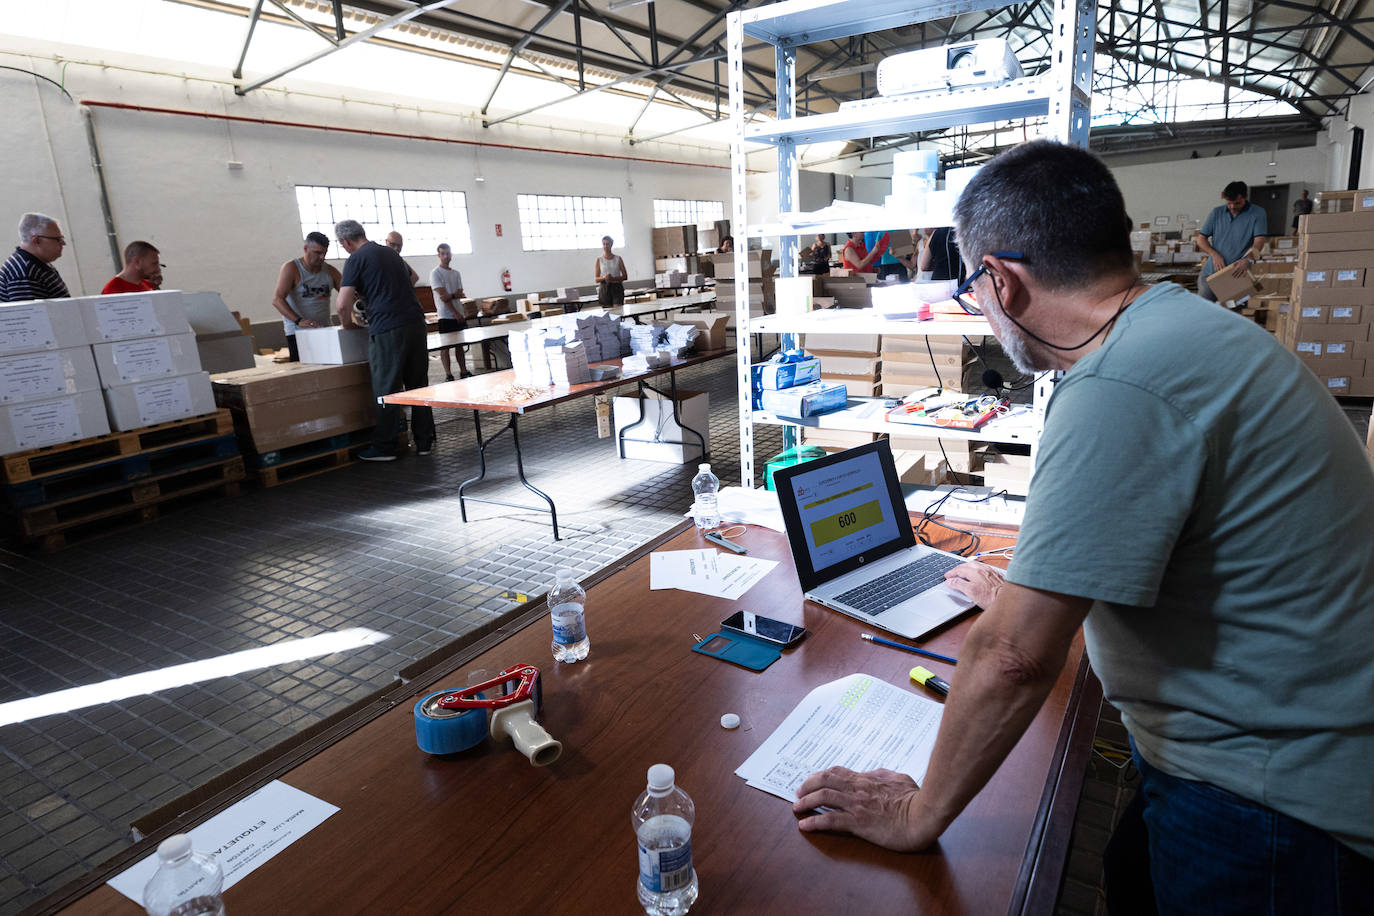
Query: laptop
[(853, 546)]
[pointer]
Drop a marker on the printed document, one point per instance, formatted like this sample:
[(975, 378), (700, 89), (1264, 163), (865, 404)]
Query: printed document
[(707, 571), (860, 722)]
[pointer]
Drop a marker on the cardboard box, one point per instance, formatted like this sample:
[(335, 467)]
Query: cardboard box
[(793, 294), (712, 327), (911, 467), (1006, 472), (1359, 221), (760, 264), (1336, 241), (332, 346), (127, 315), (158, 401), (1346, 314), (835, 439), (47, 374), (1311, 278), (1325, 333), (1364, 388), (648, 441), (805, 400), (855, 387), (51, 421), (859, 366), (142, 359), (841, 343), (1336, 384), (1313, 314), (1328, 295), (1347, 278), (785, 375), (673, 240), (224, 352), (1227, 287), (1335, 260), (43, 324), (1364, 349), (277, 405)]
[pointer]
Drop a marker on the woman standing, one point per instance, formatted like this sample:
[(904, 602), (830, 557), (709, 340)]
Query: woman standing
[(610, 275)]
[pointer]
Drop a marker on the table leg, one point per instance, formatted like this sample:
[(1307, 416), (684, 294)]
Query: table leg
[(672, 386), (519, 470), (677, 417), (620, 437)]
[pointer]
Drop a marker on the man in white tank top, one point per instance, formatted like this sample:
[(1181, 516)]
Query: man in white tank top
[(302, 294), (610, 275)]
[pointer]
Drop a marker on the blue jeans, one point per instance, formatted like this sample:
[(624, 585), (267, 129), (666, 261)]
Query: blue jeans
[(1191, 847)]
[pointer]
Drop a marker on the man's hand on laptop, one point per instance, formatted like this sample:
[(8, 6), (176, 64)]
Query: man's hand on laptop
[(879, 806), (978, 581)]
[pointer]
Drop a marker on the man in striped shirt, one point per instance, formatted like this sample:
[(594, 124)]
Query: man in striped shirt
[(28, 274)]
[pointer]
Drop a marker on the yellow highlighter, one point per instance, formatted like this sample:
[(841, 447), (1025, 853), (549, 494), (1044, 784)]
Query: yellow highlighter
[(928, 679)]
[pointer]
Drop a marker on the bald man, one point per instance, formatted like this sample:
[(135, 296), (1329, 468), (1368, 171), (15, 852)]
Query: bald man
[(394, 242)]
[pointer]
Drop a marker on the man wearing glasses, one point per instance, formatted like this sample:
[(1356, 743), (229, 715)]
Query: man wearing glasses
[(28, 273), (1202, 508)]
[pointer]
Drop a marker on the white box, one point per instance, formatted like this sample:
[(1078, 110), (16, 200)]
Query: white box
[(36, 424), (47, 374), (43, 324), (142, 359), (645, 441), (332, 346), (793, 295), (155, 313), (159, 401)]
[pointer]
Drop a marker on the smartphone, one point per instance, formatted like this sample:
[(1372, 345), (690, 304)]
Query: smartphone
[(765, 628)]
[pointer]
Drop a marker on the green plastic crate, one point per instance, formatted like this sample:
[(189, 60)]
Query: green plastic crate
[(788, 458)]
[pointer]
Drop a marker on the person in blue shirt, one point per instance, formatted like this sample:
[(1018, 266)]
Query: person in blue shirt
[(1232, 236), (879, 248)]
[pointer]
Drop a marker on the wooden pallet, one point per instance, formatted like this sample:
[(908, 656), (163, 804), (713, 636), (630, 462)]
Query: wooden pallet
[(96, 450), (136, 501), (319, 462), (107, 475)]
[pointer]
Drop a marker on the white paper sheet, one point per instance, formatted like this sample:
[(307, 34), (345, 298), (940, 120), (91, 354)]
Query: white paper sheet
[(244, 836), (707, 572), (859, 722)]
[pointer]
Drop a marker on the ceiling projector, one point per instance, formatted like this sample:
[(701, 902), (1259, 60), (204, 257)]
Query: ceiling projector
[(976, 63)]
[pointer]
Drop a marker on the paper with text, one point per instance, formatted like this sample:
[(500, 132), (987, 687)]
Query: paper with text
[(859, 722), (243, 836), (707, 572)]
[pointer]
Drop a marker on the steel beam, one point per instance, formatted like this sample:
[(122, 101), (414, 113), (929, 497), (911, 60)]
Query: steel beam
[(248, 38), (301, 20)]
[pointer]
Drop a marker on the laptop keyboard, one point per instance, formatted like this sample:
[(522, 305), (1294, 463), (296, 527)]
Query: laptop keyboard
[(888, 591)]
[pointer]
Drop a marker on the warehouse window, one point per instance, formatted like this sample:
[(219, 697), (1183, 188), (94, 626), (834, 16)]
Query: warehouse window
[(553, 222), (424, 218), (686, 212)]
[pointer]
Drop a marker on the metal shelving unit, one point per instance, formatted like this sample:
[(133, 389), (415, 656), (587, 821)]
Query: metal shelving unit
[(1063, 93)]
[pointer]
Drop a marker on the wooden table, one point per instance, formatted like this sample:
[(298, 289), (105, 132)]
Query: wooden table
[(484, 832), (489, 393)]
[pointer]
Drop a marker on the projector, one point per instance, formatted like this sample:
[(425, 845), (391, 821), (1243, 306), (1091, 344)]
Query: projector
[(976, 63)]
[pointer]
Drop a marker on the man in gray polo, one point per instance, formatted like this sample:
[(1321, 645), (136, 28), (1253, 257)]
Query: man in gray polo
[(1233, 236)]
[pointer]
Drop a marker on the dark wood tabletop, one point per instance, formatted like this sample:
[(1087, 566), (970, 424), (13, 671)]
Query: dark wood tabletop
[(484, 832), (490, 391)]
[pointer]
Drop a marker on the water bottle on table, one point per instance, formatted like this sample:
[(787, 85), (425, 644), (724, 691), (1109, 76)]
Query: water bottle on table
[(706, 509), (567, 608), (186, 883), (662, 818)]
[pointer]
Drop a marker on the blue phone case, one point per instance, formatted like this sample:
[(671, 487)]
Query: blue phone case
[(738, 649)]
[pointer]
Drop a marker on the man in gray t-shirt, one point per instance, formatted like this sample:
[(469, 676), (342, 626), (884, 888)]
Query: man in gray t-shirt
[(1232, 236), (447, 285), (1202, 507)]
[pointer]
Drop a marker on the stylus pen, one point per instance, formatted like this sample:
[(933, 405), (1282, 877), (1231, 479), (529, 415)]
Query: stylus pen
[(896, 645)]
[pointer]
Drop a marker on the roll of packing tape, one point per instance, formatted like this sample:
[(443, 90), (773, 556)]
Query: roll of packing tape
[(447, 731)]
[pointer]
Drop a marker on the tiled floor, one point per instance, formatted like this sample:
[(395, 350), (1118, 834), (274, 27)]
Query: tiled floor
[(375, 546)]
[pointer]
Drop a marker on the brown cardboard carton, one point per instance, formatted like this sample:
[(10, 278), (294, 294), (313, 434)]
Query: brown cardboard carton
[(1359, 221), (712, 328)]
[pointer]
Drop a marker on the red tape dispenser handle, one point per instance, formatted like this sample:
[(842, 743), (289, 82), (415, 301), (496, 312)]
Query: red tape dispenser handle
[(525, 681)]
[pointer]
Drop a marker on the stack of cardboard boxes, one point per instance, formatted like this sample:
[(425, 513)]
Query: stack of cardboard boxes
[(1167, 243), (283, 405), (762, 298), (49, 388), (1328, 324)]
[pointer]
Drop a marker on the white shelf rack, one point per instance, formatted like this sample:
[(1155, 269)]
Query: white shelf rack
[(1062, 93)]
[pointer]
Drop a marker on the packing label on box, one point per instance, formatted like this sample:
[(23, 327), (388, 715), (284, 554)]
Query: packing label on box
[(1312, 347), (159, 402), (1347, 276), (45, 422), (1338, 382), (32, 375), (1342, 311), (25, 327), (142, 357), (1312, 311), (127, 316)]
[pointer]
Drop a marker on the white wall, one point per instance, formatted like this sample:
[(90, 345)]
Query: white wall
[(230, 230), (1193, 186), (1361, 114)]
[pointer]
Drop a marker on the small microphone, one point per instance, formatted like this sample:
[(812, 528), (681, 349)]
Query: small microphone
[(993, 379)]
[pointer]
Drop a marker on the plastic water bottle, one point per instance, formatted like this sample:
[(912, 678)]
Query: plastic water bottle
[(706, 509), (567, 607), (662, 818), (186, 883)]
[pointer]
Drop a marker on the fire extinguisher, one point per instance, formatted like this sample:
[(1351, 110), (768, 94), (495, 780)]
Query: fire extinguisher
[(505, 280)]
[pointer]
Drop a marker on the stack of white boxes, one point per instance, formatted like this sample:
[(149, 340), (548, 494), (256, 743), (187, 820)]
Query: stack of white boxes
[(49, 388), (146, 355), (528, 359), (567, 362)]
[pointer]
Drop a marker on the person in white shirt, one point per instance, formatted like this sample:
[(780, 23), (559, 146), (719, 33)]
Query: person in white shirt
[(447, 284), (610, 275)]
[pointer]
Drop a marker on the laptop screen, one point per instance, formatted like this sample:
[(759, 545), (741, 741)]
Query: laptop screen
[(842, 511)]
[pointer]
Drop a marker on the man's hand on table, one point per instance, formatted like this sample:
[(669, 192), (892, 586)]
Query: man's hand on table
[(879, 806), (978, 581)]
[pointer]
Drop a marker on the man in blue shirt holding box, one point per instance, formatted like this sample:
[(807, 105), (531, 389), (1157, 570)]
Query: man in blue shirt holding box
[(1232, 236), (1204, 510)]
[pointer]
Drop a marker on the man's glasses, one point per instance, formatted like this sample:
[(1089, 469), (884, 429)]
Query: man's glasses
[(59, 239), (967, 286)]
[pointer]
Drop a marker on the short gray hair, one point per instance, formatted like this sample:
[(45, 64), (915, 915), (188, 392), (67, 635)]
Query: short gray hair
[(1057, 205), (31, 225), (348, 230)]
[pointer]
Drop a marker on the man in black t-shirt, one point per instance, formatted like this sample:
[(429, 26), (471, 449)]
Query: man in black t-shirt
[(396, 352)]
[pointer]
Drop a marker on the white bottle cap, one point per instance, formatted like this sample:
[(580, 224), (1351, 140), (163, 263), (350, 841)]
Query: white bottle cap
[(704, 468), (729, 720), (174, 847), (661, 778), (564, 573)]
